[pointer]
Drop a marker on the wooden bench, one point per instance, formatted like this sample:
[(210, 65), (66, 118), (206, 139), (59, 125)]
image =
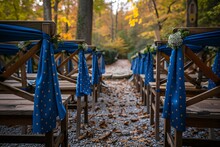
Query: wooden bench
[(15, 110)]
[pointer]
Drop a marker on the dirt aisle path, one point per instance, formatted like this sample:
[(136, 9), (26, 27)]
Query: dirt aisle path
[(119, 118)]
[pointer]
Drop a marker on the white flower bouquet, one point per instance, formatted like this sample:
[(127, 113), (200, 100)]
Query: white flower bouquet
[(175, 40)]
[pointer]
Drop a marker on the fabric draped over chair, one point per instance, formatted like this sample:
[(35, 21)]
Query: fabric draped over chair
[(70, 66), (95, 69), (102, 64), (215, 69), (30, 66), (8, 49), (143, 63), (47, 98), (175, 96), (83, 86), (149, 71), (136, 65)]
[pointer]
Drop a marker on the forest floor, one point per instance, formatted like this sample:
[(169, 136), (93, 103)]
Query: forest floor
[(118, 119)]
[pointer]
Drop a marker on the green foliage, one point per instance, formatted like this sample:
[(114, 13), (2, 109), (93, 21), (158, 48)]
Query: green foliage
[(17, 10), (209, 13), (110, 56), (99, 5)]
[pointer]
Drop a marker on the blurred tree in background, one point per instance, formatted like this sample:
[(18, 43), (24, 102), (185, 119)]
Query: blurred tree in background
[(119, 26)]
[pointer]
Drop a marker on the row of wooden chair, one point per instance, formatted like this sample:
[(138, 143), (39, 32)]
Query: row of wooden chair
[(199, 99), (16, 98)]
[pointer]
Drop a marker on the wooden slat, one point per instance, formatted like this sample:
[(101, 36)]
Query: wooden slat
[(22, 138), (17, 91), (66, 78), (202, 121), (13, 60), (67, 59), (200, 142), (206, 70), (12, 69), (170, 140), (208, 94)]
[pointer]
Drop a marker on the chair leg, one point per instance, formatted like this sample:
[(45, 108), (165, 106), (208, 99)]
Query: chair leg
[(49, 139), (151, 109), (167, 130), (157, 115), (86, 109), (64, 129), (78, 117), (178, 138)]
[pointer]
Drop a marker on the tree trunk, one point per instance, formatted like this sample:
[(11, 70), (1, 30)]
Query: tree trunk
[(112, 25), (67, 16), (56, 11), (47, 10), (84, 23)]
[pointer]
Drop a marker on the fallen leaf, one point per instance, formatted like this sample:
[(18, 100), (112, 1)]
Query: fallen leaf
[(92, 123), (96, 140), (83, 136), (90, 134), (134, 119), (103, 124), (135, 137), (116, 130), (144, 127), (126, 123), (144, 116), (91, 116), (97, 108), (111, 116), (140, 113), (104, 136), (124, 141), (110, 110), (140, 132), (123, 113)]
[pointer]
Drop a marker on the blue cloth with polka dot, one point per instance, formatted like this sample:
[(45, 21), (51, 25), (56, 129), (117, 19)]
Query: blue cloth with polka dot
[(83, 86), (215, 69), (95, 69), (149, 71), (175, 96), (47, 100)]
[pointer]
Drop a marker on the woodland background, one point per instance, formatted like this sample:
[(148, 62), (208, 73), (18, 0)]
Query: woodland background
[(118, 29)]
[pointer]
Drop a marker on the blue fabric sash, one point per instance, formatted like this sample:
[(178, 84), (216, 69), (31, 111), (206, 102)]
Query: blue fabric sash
[(47, 100), (204, 39), (143, 63), (136, 66), (8, 49), (175, 96), (215, 69), (70, 66), (18, 33), (29, 66), (83, 86), (149, 72), (95, 69), (102, 64)]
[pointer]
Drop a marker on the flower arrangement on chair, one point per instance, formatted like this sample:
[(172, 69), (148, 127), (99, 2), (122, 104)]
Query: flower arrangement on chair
[(175, 40)]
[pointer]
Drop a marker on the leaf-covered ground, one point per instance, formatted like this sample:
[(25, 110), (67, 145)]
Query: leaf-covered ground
[(119, 119)]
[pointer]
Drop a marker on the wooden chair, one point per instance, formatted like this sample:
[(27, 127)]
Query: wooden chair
[(19, 114), (157, 89), (197, 105)]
